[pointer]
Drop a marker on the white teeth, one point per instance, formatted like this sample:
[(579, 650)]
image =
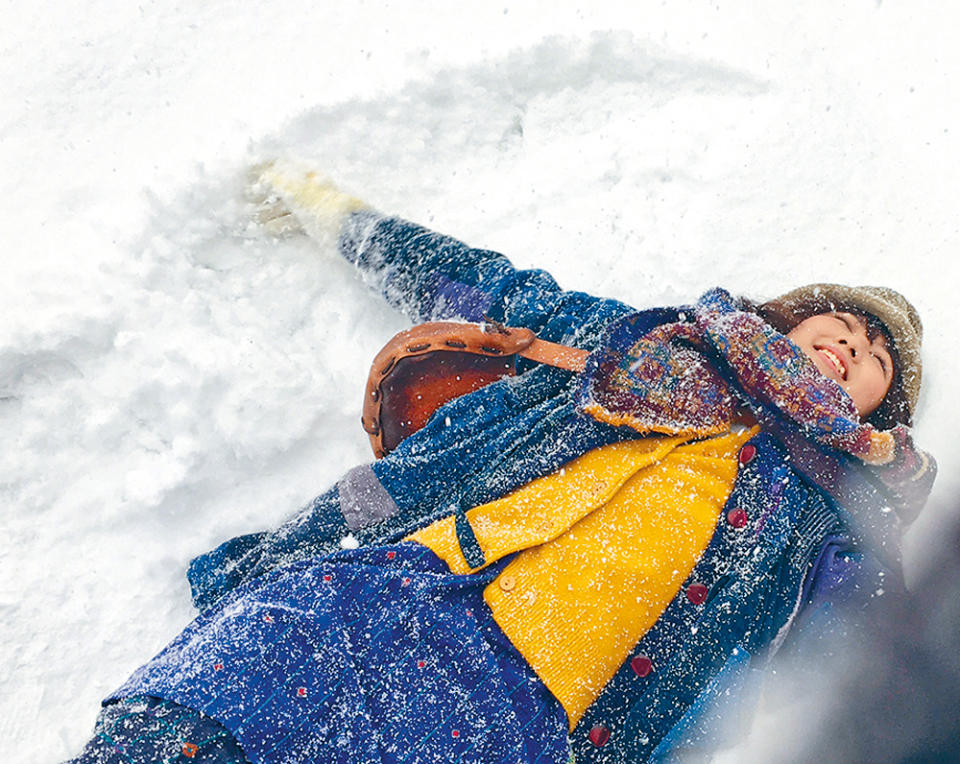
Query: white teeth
[(834, 360)]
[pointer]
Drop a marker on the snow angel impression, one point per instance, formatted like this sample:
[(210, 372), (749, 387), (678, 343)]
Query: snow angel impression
[(557, 564)]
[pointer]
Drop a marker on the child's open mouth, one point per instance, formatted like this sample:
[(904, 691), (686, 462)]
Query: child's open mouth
[(834, 360)]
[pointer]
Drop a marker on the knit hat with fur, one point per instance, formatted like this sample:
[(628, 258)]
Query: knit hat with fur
[(894, 311)]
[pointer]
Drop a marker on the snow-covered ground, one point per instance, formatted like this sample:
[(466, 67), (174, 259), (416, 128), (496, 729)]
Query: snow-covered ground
[(169, 377)]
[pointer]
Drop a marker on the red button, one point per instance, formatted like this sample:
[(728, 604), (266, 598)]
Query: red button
[(697, 593), (737, 517), (599, 736), (748, 453), (641, 665), (301, 692)]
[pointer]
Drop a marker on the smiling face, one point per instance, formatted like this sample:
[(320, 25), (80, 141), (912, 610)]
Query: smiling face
[(840, 347)]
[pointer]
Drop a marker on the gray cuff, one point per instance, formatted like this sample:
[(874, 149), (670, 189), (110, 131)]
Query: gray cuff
[(363, 499)]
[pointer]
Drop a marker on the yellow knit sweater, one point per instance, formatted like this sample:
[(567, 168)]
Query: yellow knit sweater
[(605, 544)]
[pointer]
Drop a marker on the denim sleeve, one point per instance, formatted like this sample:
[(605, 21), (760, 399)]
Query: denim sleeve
[(316, 529), (843, 597), (432, 277)]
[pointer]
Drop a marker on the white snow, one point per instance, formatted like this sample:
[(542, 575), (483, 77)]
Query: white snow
[(169, 377)]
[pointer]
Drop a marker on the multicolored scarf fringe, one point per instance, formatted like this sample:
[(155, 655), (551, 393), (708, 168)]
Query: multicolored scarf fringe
[(692, 376)]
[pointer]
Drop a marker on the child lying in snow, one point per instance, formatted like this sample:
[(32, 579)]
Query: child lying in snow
[(555, 564)]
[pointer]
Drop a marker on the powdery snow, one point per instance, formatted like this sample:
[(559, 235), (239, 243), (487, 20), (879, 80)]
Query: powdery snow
[(170, 377)]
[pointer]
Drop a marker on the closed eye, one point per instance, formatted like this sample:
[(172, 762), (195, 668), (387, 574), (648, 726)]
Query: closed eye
[(846, 320), (853, 326)]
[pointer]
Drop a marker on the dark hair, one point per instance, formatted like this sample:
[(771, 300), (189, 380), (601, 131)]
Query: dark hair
[(894, 409)]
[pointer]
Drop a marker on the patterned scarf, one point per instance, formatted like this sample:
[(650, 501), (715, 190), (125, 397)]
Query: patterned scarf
[(691, 377)]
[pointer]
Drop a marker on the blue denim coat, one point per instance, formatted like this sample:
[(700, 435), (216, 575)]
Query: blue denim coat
[(813, 537)]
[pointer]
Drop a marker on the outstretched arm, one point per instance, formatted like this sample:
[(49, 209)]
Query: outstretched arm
[(426, 275)]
